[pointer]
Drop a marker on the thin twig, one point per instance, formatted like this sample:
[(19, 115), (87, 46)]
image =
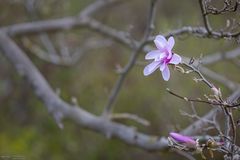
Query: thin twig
[(195, 127), (196, 70), (225, 104)]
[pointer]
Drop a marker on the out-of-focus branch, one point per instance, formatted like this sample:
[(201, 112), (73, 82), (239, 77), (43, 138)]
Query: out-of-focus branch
[(60, 109), (76, 22), (215, 76), (51, 55), (96, 6), (66, 59), (32, 9), (132, 60), (213, 58), (66, 24)]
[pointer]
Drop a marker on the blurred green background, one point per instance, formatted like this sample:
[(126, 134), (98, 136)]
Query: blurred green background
[(28, 130)]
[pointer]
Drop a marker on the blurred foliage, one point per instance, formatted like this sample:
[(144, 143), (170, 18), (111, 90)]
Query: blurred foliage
[(28, 130)]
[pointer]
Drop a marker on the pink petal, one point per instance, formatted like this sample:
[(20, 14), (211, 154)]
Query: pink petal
[(176, 59), (153, 54), (166, 73), (171, 42), (150, 68), (160, 42)]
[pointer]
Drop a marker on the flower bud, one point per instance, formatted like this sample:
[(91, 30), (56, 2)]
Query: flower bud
[(186, 140)]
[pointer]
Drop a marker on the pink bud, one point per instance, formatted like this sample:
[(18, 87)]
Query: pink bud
[(186, 140)]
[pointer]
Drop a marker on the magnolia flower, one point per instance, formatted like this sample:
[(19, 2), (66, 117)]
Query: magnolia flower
[(162, 57), (187, 141)]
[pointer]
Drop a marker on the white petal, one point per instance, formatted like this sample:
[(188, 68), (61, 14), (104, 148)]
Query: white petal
[(153, 54), (160, 42), (176, 59), (166, 73), (150, 68), (163, 66), (171, 42)]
